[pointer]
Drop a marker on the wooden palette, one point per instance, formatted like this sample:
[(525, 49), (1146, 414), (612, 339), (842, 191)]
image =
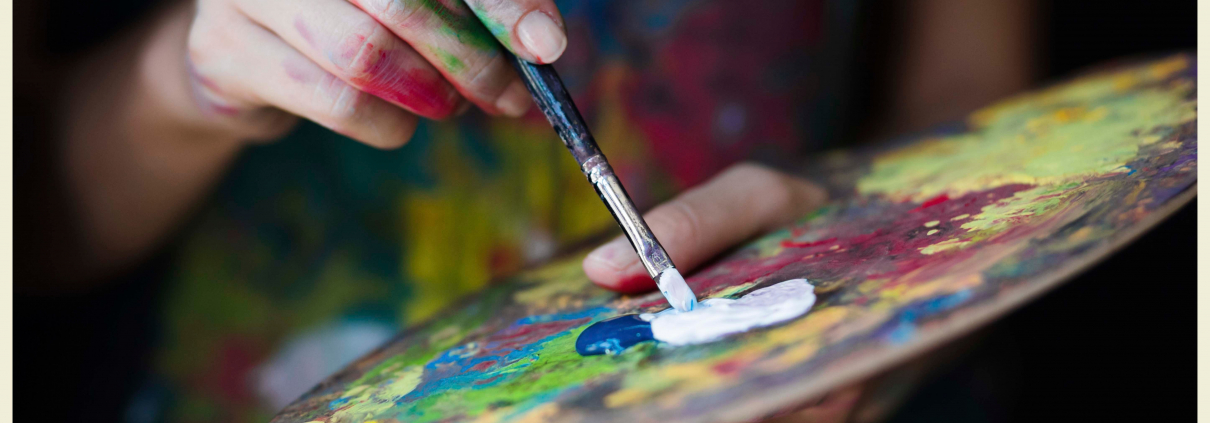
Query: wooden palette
[(928, 238)]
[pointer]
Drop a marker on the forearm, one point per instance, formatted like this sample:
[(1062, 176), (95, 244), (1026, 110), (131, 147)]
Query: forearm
[(137, 153)]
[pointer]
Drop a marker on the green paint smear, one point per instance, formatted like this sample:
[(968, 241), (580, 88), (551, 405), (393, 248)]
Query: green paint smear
[(1083, 130), (554, 368), (494, 26), (998, 217), (461, 25), (451, 62)]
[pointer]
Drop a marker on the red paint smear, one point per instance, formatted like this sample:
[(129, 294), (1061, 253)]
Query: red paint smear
[(299, 72), (483, 366), (487, 381), (791, 244), (223, 110), (420, 89), (517, 336), (305, 33), (401, 77), (204, 81), (208, 83), (350, 48), (932, 202), (892, 251), (728, 367), (634, 284)]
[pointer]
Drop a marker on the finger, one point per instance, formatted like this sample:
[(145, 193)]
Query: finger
[(348, 43), (276, 74), (208, 44), (743, 201), (451, 37), (247, 121), (531, 29)]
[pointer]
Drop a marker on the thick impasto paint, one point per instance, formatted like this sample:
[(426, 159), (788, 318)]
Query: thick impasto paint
[(614, 335), (711, 321), (927, 237), (721, 317)]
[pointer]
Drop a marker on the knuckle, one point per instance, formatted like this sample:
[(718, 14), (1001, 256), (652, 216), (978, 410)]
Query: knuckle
[(346, 107), (342, 103), (361, 51), (487, 76), (400, 13)]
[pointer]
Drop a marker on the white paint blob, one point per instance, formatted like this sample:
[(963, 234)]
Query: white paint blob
[(716, 318), (675, 290)]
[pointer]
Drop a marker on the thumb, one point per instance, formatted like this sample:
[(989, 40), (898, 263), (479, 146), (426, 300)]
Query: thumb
[(743, 201)]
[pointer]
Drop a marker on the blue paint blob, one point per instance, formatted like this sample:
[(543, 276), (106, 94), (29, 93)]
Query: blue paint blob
[(613, 335)]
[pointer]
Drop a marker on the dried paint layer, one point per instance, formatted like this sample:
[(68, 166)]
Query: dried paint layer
[(921, 232)]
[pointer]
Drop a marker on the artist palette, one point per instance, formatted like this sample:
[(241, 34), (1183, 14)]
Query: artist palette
[(928, 239)]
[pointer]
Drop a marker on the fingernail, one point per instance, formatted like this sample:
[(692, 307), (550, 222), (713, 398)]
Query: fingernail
[(616, 254), (515, 100), (541, 36)]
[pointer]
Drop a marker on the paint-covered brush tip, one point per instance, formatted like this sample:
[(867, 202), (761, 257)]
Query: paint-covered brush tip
[(675, 290)]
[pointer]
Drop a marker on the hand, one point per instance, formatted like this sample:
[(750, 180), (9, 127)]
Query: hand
[(738, 204), (364, 68)]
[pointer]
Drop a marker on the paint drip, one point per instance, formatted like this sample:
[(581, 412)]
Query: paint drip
[(712, 320)]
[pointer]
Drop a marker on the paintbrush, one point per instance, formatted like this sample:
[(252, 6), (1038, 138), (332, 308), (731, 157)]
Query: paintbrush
[(546, 87)]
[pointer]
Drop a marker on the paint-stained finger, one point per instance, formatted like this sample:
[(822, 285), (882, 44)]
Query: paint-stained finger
[(532, 29), (353, 46), (280, 76), (209, 45), (740, 203), (451, 37)]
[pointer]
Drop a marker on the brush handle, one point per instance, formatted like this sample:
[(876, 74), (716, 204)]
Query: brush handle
[(548, 92)]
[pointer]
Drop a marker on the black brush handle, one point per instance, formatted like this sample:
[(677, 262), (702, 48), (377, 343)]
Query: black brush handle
[(548, 92), (547, 89)]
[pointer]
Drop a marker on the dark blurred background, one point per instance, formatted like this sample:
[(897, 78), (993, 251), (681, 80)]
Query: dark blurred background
[(1071, 355)]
